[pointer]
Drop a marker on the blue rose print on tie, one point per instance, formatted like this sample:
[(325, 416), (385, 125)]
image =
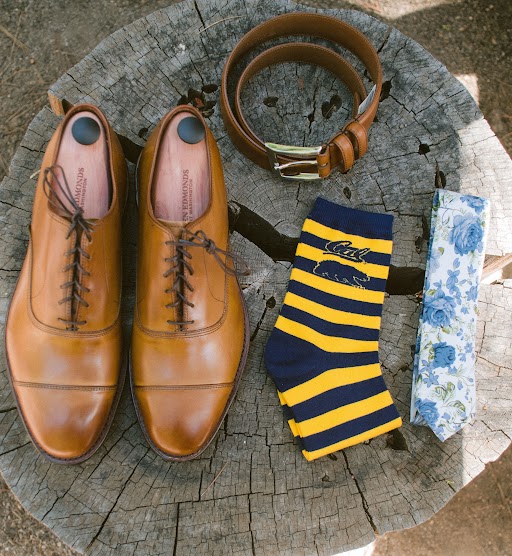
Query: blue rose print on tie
[(472, 294), (453, 280), (428, 410), (466, 234), (444, 355), (476, 203), (434, 258), (438, 309), (431, 378)]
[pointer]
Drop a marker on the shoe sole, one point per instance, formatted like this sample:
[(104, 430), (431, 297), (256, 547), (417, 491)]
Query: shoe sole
[(236, 384)]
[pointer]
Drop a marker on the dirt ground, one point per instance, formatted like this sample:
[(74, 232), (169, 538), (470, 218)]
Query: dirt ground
[(41, 39)]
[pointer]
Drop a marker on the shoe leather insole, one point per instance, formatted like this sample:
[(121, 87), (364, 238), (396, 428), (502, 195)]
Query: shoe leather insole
[(83, 157), (181, 184)]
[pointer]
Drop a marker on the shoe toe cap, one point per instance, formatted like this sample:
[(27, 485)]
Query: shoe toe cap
[(68, 423), (181, 422)]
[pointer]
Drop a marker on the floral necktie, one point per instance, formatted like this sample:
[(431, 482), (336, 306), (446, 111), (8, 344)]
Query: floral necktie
[(443, 388)]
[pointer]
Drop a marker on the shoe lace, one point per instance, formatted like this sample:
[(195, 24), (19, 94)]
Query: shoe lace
[(61, 199), (181, 266)]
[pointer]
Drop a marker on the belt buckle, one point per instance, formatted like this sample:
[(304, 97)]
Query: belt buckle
[(305, 155)]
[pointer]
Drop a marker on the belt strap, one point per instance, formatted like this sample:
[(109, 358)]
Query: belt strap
[(351, 142)]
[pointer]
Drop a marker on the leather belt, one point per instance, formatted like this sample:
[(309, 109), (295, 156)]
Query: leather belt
[(349, 144)]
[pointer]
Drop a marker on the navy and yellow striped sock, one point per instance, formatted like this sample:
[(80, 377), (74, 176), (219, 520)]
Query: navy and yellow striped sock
[(323, 352)]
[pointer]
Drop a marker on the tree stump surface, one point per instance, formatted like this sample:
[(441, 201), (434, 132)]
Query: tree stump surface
[(252, 491)]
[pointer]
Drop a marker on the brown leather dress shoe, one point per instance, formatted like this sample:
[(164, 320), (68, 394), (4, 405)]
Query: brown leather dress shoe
[(190, 331), (63, 332)]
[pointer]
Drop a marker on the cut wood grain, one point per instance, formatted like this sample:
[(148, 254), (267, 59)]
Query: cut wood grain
[(252, 492)]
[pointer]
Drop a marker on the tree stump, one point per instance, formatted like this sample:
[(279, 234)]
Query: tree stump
[(252, 491)]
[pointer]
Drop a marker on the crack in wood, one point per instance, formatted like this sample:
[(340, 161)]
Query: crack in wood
[(424, 148), (126, 483), (14, 449), (57, 499), (3, 202), (253, 547), (175, 547), (270, 304), (196, 7), (363, 498), (110, 448), (396, 441), (386, 88), (385, 40), (440, 178)]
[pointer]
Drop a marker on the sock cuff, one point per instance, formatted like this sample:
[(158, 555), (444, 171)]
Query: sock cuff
[(371, 225)]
